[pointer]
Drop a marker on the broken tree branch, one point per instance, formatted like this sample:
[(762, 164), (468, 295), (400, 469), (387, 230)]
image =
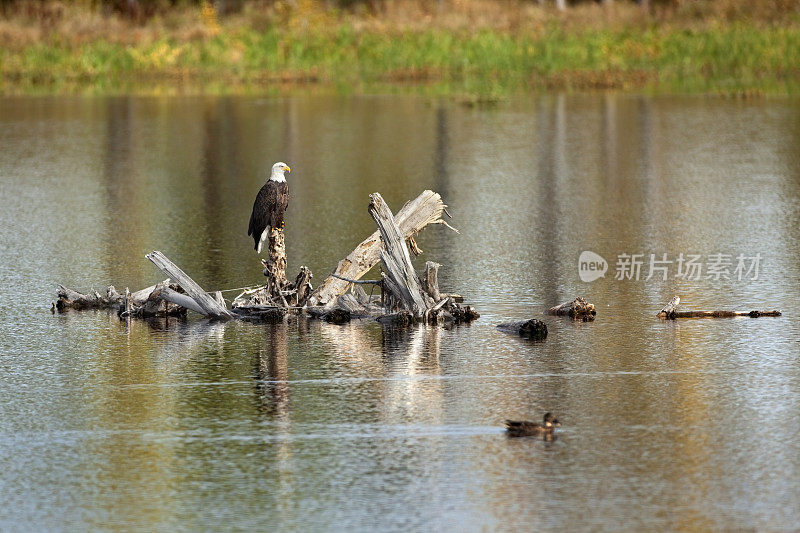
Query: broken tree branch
[(396, 258), (427, 208), (208, 305)]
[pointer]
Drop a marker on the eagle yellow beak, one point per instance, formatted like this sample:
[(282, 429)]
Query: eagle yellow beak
[(288, 169)]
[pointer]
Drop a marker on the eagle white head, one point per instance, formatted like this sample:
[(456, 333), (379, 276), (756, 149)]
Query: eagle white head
[(277, 171)]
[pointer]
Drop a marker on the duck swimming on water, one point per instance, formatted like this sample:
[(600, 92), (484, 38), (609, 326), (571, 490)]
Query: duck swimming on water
[(523, 428)]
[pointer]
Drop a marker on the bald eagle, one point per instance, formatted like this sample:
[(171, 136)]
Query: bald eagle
[(269, 206)]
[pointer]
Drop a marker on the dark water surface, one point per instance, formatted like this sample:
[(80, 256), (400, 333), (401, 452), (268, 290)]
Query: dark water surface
[(308, 426)]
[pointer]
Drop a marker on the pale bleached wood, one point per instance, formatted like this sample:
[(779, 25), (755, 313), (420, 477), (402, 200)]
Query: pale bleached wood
[(427, 208), (431, 280), (181, 299), (209, 306), (71, 299), (395, 257), (139, 297), (670, 308)]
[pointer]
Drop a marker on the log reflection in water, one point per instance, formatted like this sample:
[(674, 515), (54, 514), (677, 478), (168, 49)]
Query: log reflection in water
[(272, 374), (414, 352)]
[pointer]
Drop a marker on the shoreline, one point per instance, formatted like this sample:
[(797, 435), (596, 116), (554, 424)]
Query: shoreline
[(738, 58)]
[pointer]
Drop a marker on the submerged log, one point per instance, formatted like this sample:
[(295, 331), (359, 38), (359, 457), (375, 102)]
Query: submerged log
[(670, 312), (338, 316), (400, 319), (577, 309), (530, 329), (268, 314), (427, 208)]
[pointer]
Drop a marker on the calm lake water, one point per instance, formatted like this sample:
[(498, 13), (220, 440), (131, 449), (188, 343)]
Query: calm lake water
[(193, 425)]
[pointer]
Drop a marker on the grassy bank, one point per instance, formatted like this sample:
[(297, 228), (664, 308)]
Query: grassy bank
[(274, 51)]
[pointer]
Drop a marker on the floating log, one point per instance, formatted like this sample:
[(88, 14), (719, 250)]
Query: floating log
[(577, 309), (462, 314), (670, 312), (427, 208), (530, 329)]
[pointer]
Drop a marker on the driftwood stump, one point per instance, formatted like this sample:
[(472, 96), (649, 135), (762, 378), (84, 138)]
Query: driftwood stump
[(275, 266), (430, 280), (577, 309), (401, 278), (427, 208)]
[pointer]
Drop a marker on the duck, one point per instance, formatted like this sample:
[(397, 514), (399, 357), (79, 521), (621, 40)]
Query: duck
[(524, 428)]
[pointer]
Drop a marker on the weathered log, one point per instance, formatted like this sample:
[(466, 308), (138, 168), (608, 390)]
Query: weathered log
[(178, 299), (577, 309), (302, 286), (670, 308), (721, 314), (275, 266), (209, 306), (157, 304), (427, 208), (396, 259), (530, 329), (462, 314), (670, 312), (430, 280), (70, 299)]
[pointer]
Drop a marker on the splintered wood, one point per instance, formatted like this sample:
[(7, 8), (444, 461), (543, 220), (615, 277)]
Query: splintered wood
[(427, 208), (400, 277)]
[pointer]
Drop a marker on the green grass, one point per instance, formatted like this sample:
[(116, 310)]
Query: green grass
[(736, 59)]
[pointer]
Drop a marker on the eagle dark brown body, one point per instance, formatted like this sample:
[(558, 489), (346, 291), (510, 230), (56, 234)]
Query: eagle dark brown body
[(269, 207)]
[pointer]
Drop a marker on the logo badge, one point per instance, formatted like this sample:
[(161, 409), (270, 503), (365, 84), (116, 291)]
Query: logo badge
[(591, 266)]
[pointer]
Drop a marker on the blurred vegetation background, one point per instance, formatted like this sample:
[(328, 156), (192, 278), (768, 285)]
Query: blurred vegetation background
[(442, 46)]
